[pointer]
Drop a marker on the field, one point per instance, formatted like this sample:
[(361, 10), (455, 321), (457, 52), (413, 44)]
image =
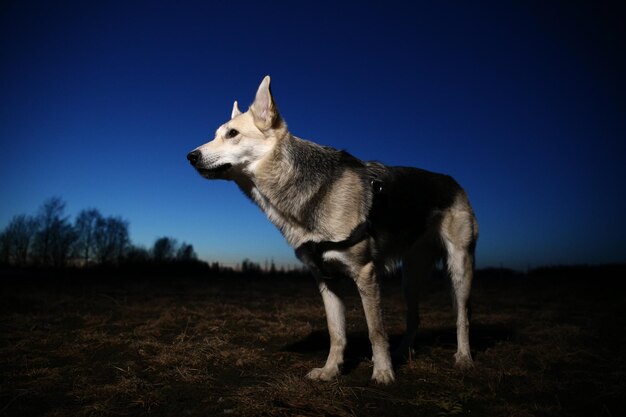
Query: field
[(549, 343)]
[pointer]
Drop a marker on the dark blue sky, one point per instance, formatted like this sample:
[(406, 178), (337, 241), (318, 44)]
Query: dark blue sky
[(524, 103)]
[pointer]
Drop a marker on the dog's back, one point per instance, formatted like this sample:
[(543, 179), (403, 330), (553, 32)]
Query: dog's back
[(408, 203)]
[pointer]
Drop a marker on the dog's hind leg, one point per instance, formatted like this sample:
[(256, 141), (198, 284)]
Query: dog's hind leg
[(335, 317), (369, 289), (416, 265), (459, 232), (461, 271)]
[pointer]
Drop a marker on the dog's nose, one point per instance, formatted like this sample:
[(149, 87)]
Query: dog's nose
[(193, 157)]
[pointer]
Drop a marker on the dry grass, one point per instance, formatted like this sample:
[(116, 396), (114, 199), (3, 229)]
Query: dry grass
[(243, 347)]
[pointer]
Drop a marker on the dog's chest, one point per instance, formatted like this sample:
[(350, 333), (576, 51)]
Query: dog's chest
[(289, 227)]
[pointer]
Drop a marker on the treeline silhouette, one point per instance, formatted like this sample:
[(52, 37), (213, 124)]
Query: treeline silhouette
[(51, 240)]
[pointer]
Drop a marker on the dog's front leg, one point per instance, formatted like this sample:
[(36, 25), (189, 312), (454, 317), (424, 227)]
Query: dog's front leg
[(367, 283), (335, 317)]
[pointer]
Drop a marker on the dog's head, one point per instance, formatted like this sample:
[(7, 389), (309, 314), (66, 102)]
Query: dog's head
[(242, 142)]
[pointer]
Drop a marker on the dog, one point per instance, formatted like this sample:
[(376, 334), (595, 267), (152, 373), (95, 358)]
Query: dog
[(347, 217)]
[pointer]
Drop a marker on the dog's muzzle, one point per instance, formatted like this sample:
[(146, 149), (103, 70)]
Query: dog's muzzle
[(215, 172)]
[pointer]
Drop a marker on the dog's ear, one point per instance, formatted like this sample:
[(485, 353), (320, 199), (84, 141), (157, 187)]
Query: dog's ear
[(264, 109), (236, 112)]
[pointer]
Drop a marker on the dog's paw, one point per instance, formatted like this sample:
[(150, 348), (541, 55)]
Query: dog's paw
[(383, 376), (322, 374), (462, 361)]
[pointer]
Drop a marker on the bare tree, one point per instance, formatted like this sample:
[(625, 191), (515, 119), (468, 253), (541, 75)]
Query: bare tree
[(64, 238), (119, 230), (85, 226), (186, 253), (249, 267), (55, 236), (5, 248), (136, 255), (110, 239), (164, 249), (17, 239)]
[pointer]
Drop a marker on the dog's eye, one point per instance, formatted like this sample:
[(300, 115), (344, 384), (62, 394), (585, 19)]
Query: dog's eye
[(231, 133)]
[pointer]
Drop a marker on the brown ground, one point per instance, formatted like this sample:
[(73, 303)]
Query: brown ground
[(242, 347)]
